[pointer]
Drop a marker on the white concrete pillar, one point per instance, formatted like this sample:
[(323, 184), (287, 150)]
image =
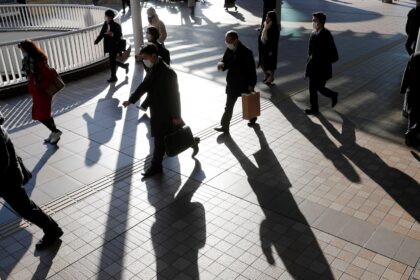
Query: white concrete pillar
[(278, 11), (135, 10)]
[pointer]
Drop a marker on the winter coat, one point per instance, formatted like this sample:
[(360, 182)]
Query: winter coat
[(241, 73), (161, 85), (156, 22), (322, 53), (267, 52), (39, 76), (111, 43)]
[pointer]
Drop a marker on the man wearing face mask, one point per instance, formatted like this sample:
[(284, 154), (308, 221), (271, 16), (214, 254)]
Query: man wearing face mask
[(111, 33), (241, 76), (322, 53), (161, 85), (154, 20)]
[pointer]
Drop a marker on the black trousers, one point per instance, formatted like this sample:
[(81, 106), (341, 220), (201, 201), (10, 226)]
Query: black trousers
[(113, 63), (227, 115), (413, 110), (158, 152), (315, 86), (17, 198)]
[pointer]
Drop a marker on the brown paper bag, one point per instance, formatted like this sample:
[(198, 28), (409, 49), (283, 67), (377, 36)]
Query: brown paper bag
[(251, 105)]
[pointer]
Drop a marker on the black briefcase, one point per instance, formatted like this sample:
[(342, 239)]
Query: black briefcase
[(178, 141)]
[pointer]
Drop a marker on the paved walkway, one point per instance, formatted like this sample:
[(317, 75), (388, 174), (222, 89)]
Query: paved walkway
[(329, 197)]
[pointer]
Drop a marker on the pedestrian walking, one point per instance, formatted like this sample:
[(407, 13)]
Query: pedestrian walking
[(412, 28), (191, 6), (124, 3), (152, 34), (12, 191), (410, 86), (322, 53), (268, 42), (241, 76), (161, 85), (39, 76), (154, 20), (111, 34)]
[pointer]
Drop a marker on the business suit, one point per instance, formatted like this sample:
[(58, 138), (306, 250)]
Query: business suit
[(241, 75), (322, 53), (412, 29), (111, 45), (161, 85)]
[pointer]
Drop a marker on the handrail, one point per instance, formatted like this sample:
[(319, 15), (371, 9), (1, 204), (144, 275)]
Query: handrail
[(67, 50)]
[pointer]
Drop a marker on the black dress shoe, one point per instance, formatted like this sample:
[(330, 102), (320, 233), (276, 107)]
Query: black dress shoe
[(334, 100), (222, 129), (252, 122), (127, 68), (112, 80), (195, 147), (49, 239), (311, 111), (152, 171)]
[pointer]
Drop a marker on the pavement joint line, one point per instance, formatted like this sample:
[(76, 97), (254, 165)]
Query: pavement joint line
[(122, 173), (415, 272)]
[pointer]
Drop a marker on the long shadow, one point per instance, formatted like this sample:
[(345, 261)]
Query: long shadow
[(112, 255), (179, 230), (401, 187), (46, 258), (106, 107), (315, 134), (275, 199)]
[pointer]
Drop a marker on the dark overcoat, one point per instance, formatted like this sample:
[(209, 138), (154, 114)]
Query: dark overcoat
[(410, 84), (110, 42), (10, 171), (161, 85), (241, 72), (267, 53), (322, 52)]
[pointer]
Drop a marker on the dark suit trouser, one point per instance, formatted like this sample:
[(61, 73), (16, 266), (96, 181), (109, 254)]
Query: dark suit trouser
[(113, 63), (315, 86), (413, 109), (158, 152), (227, 115), (17, 198)]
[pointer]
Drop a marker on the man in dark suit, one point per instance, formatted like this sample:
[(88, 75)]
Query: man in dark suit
[(161, 85), (322, 53), (111, 33), (412, 28), (411, 87), (12, 191), (241, 76)]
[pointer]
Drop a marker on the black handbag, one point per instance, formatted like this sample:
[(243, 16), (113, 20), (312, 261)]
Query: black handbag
[(27, 175), (121, 46), (178, 141)]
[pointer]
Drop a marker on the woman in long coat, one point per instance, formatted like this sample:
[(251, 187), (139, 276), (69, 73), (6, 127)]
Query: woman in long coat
[(267, 46), (39, 76)]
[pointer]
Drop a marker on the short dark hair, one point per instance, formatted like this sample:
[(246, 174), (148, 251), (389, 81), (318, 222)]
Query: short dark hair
[(149, 48), (110, 13), (153, 31), (233, 34), (320, 16)]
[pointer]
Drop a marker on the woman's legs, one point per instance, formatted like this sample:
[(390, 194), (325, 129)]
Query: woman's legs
[(50, 124), (55, 133)]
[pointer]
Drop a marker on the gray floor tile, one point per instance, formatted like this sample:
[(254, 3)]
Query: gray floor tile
[(331, 221), (385, 242), (357, 231)]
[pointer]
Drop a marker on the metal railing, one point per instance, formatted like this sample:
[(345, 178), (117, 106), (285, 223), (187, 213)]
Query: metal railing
[(71, 48)]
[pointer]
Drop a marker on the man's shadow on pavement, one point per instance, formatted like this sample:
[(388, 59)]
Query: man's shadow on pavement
[(315, 134), (179, 230), (401, 187), (107, 107), (275, 199)]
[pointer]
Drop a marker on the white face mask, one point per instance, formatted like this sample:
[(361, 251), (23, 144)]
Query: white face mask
[(147, 63), (315, 25), (230, 46)]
